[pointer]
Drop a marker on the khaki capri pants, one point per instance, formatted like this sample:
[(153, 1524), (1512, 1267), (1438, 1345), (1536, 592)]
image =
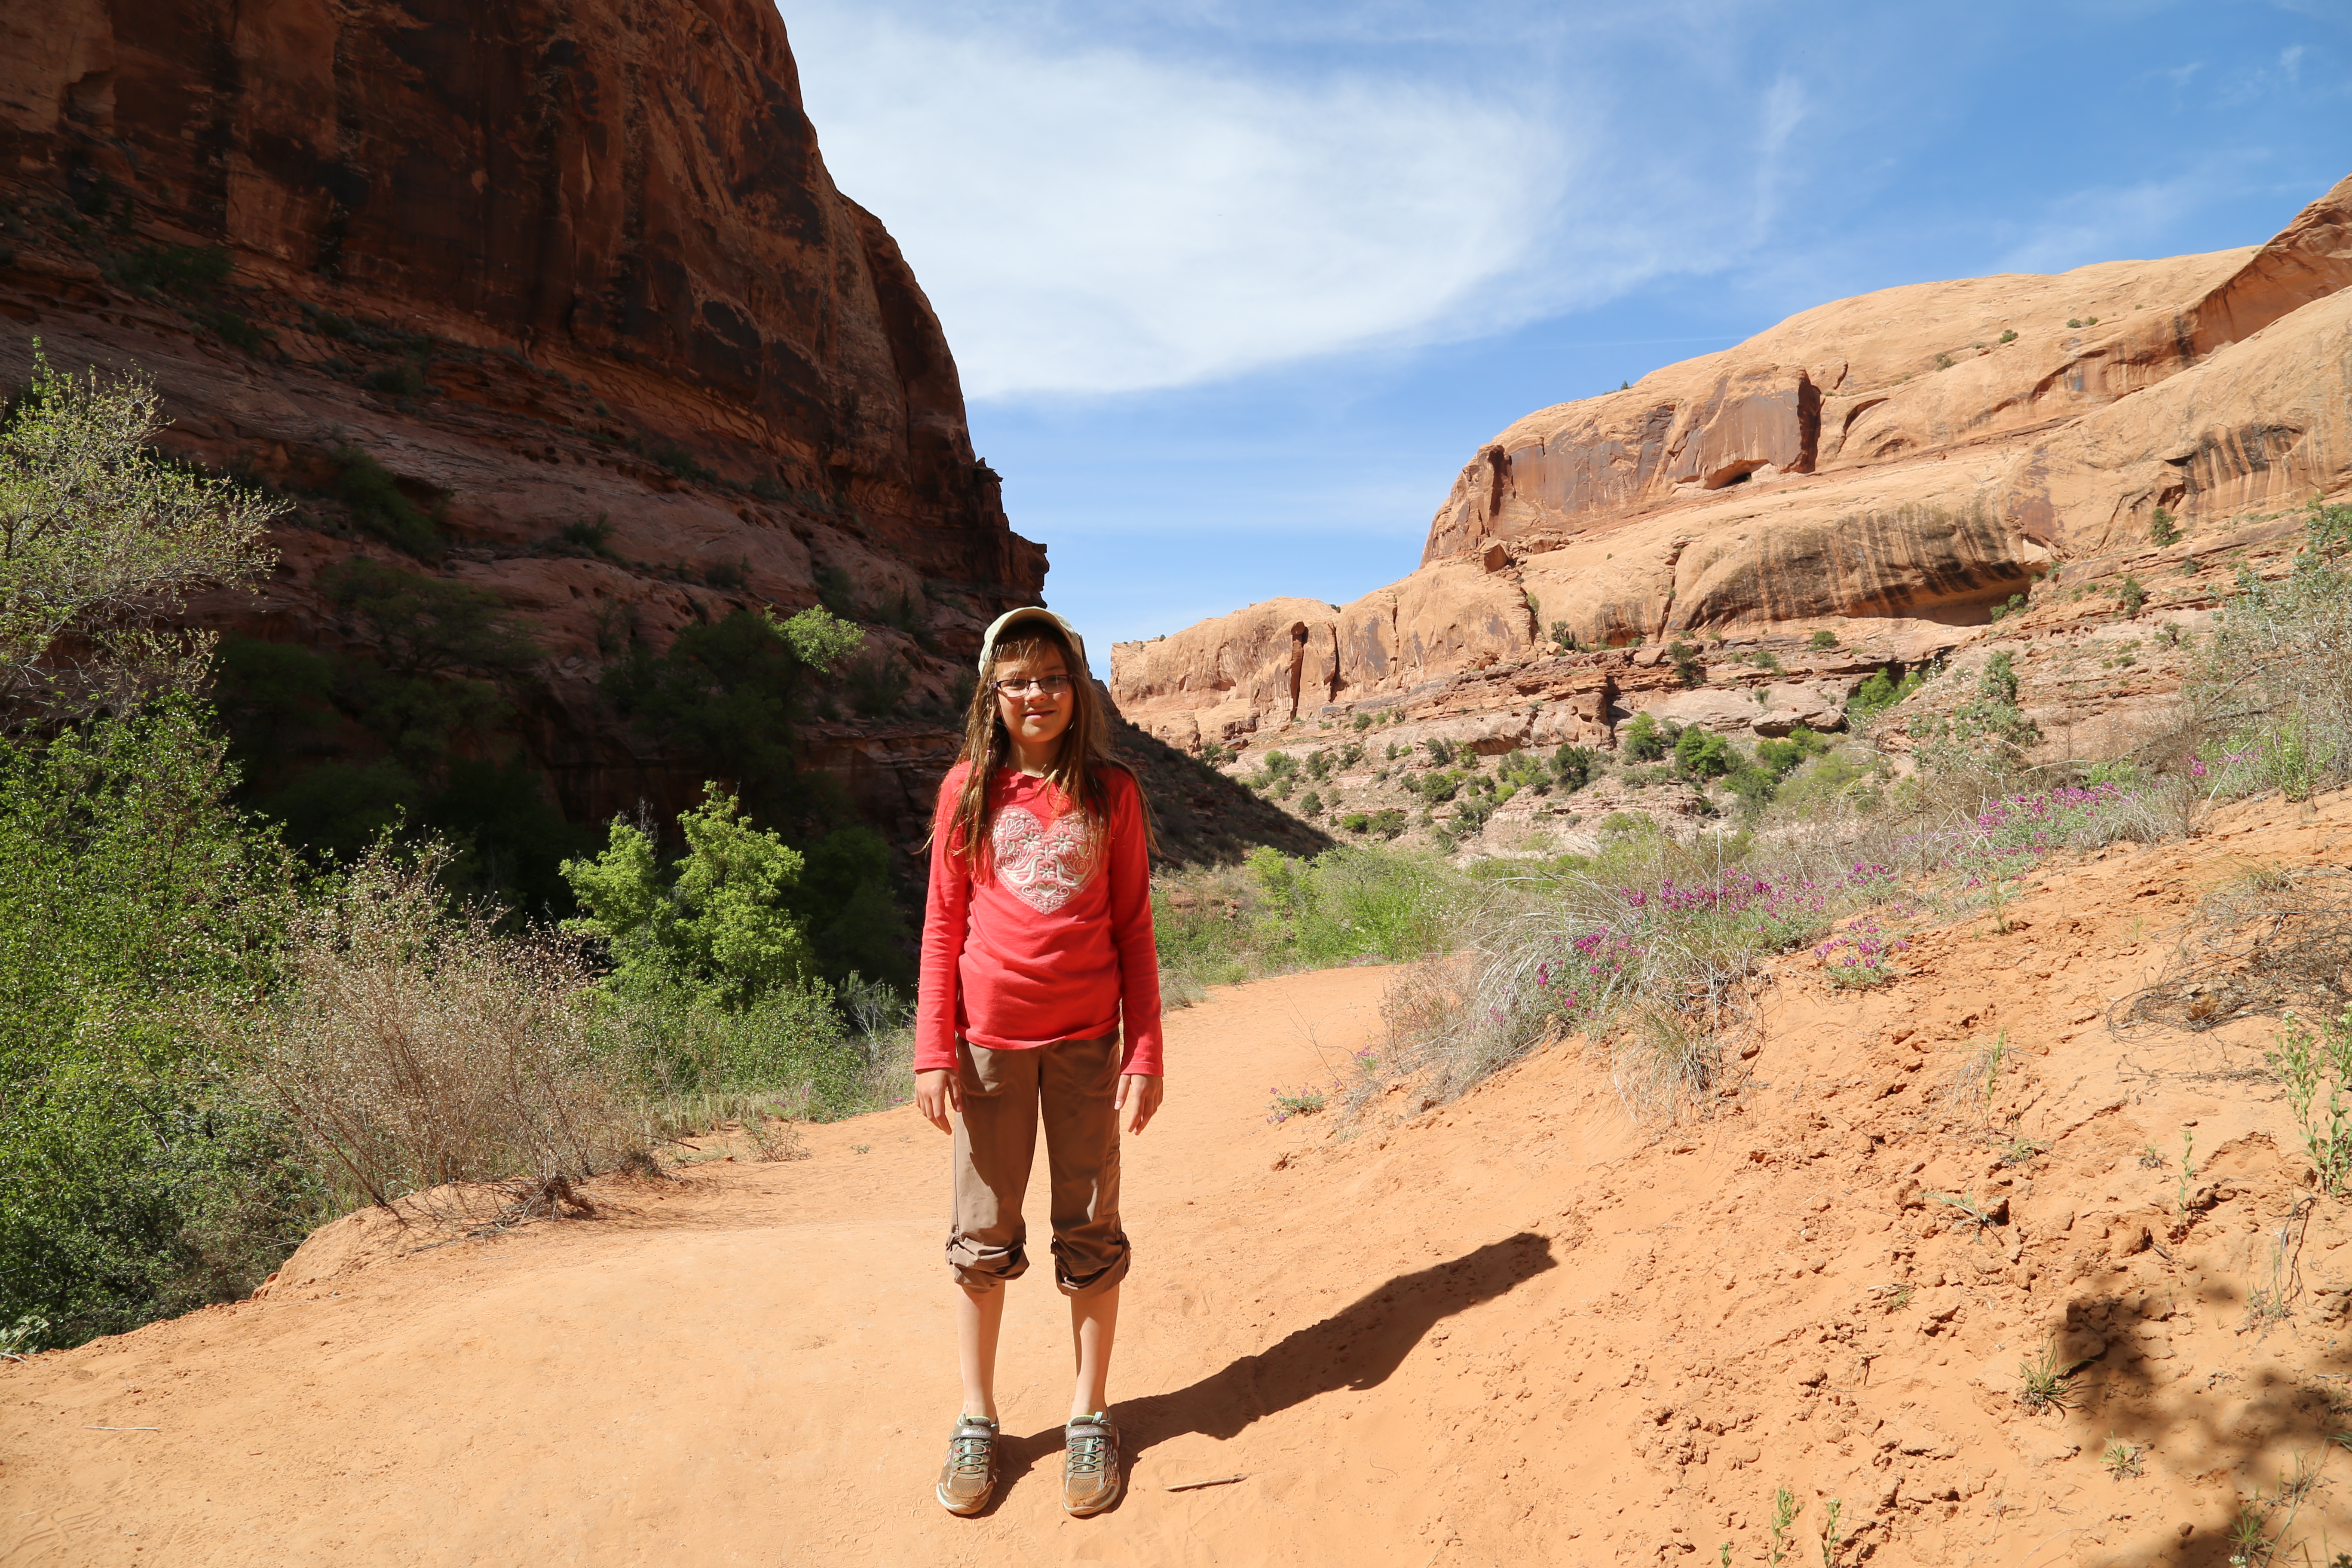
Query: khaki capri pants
[(1071, 1086)]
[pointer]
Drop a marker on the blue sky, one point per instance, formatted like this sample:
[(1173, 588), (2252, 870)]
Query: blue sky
[(1236, 288)]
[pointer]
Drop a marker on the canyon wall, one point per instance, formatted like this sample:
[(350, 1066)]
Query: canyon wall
[(1886, 468), (548, 267)]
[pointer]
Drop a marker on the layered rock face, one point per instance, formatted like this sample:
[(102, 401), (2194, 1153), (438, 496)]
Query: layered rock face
[(1886, 468), (551, 265)]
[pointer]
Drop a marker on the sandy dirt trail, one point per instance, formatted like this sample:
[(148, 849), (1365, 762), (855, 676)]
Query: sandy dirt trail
[(1512, 1329), (758, 1368)]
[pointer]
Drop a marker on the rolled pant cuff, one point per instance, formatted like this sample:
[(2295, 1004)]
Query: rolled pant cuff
[(1094, 1284), (982, 1278)]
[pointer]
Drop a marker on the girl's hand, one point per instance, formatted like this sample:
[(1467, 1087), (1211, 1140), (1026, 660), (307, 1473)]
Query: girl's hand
[(937, 1093), (1145, 1092)]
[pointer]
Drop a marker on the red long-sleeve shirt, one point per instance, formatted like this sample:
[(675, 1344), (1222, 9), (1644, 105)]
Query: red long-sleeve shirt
[(1054, 941)]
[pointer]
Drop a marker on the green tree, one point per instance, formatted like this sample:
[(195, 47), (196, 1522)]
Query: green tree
[(135, 1180), (843, 906), (101, 540), (730, 693), (1703, 754), (431, 677), (1880, 692), (1574, 766), (718, 926), (1644, 740)]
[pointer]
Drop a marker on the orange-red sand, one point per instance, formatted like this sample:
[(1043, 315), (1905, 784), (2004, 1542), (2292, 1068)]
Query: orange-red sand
[(1515, 1329)]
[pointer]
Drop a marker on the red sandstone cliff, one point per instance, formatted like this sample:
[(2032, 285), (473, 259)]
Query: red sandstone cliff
[(1885, 467), (545, 263)]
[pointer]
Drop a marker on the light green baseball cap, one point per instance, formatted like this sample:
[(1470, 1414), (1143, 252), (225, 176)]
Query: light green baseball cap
[(1013, 619)]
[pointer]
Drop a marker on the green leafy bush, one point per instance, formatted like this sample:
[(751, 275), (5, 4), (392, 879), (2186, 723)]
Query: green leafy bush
[(368, 489), (716, 927), (172, 270), (1880, 692), (732, 693), (1644, 740), (2163, 529), (1703, 754), (1822, 639), (587, 537), (1784, 755), (1573, 767), (134, 1180)]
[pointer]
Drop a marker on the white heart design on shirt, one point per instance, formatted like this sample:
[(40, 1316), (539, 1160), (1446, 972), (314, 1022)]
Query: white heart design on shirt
[(1044, 869)]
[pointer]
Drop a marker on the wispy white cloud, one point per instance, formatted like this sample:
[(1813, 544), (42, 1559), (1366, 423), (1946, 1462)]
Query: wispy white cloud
[(1089, 219), (2108, 222), (1785, 109), (1093, 217)]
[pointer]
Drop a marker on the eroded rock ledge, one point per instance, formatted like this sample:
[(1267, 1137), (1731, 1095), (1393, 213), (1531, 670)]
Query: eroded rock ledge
[(1887, 468)]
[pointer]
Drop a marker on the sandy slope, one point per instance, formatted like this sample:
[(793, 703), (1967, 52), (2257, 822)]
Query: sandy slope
[(1514, 1330)]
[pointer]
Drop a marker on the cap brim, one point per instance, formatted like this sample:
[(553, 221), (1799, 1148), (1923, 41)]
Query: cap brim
[(1013, 619)]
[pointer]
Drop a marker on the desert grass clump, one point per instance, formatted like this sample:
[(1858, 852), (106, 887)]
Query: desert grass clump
[(415, 1046), (2043, 1383), (2122, 1460), (2269, 705), (1970, 1209), (1276, 913), (1283, 1105), (1648, 951)]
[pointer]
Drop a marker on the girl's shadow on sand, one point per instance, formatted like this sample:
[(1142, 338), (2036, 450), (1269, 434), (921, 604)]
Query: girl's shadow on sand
[(1355, 1347)]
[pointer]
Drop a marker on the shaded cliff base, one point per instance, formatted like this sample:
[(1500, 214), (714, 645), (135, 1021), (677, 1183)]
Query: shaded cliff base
[(1561, 1337)]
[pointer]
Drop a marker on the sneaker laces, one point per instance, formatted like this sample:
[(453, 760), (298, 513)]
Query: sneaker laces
[(968, 1451), (1087, 1446)]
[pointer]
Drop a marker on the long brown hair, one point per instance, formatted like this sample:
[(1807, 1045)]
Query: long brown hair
[(1083, 758)]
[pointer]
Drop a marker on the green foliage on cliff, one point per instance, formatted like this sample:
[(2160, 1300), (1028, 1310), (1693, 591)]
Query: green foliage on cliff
[(1880, 692), (343, 747), (732, 693)]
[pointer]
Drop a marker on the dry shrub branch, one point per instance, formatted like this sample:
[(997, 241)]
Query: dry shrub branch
[(415, 1047), (2267, 942)]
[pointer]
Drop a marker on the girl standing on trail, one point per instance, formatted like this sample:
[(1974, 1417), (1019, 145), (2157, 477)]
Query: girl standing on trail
[(1037, 952)]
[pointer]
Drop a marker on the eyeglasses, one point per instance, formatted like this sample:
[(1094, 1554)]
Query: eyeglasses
[(1050, 685)]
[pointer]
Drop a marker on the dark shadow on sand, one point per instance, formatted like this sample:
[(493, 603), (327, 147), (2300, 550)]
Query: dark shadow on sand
[(1357, 1347)]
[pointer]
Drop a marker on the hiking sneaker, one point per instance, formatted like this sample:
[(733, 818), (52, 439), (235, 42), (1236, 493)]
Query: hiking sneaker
[(969, 1475), (1090, 1475)]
